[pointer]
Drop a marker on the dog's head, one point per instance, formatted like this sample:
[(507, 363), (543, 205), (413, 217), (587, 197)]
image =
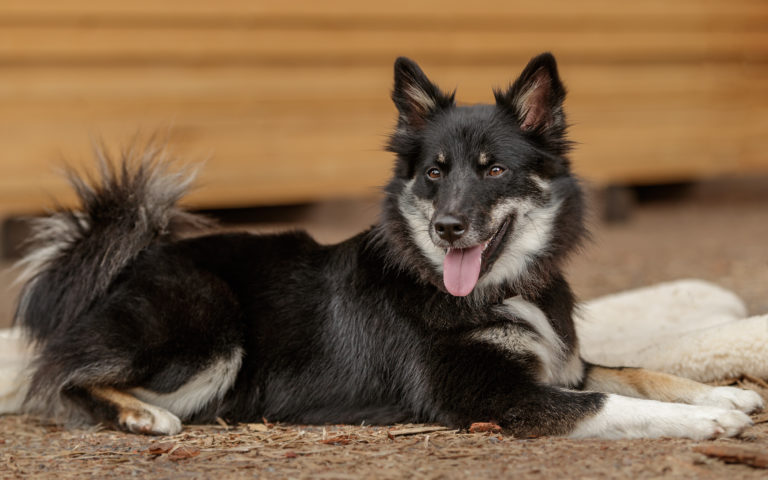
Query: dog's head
[(482, 195)]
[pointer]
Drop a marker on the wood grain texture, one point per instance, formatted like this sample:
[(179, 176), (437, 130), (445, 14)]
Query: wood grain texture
[(288, 101), (274, 45), (351, 8)]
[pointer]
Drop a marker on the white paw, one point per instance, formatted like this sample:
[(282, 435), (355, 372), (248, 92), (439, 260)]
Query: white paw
[(624, 417), (731, 398), (151, 421), (712, 422)]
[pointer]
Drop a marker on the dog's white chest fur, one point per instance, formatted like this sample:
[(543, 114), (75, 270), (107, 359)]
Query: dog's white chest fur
[(558, 365)]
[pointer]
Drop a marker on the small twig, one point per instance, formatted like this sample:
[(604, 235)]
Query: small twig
[(256, 427), (221, 422), (479, 427), (762, 418), (229, 450), (733, 454), (414, 431), (183, 452)]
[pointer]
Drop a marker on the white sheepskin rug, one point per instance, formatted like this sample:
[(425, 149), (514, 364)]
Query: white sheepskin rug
[(689, 328), (15, 355)]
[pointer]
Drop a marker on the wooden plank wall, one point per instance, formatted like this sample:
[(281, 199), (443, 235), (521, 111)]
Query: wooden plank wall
[(288, 101)]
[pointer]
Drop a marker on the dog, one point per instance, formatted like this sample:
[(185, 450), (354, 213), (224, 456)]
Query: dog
[(451, 309)]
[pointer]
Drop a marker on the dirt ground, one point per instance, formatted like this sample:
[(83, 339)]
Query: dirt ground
[(716, 231)]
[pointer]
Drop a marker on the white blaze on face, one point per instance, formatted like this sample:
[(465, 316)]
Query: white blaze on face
[(460, 267)]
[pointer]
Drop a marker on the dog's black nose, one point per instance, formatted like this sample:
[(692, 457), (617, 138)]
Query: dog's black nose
[(450, 228)]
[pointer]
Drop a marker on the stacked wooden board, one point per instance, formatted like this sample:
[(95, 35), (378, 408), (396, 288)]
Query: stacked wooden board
[(289, 101)]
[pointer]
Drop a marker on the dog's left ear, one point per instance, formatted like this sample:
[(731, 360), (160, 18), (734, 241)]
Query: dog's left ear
[(536, 97), (415, 96)]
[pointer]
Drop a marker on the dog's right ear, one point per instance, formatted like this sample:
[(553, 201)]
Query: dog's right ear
[(536, 97), (415, 96)]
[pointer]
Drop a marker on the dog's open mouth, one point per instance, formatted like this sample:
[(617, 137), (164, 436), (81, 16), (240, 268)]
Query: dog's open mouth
[(462, 267)]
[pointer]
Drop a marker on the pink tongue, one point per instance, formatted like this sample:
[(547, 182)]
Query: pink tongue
[(461, 269)]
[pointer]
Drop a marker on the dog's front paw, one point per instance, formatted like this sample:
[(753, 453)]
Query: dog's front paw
[(731, 398), (150, 420), (713, 422), (624, 417)]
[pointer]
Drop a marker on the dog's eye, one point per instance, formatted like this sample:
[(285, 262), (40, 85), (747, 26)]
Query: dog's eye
[(434, 173), (496, 170)]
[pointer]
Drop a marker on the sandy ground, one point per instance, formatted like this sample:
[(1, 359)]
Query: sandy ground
[(717, 232)]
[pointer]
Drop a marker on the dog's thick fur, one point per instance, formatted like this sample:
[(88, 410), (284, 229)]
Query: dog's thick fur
[(452, 309)]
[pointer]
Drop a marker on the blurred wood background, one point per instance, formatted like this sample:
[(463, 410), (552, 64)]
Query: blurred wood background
[(288, 101)]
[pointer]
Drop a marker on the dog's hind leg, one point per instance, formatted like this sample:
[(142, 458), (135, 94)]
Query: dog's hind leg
[(129, 413), (641, 383)]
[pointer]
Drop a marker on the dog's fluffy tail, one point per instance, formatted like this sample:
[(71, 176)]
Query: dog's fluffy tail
[(75, 254)]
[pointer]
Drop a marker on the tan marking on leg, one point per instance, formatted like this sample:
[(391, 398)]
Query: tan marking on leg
[(637, 382), (641, 383), (137, 416)]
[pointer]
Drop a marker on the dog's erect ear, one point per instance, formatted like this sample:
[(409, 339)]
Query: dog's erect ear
[(415, 96), (536, 97)]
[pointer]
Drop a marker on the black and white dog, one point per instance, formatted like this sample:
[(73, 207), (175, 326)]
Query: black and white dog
[(452, 309)]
